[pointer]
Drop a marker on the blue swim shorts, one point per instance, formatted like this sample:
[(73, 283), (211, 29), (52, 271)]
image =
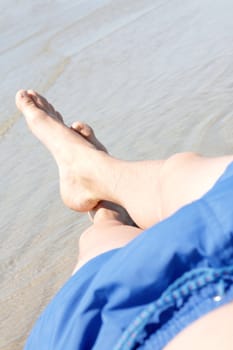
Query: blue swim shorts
[(142, 295)]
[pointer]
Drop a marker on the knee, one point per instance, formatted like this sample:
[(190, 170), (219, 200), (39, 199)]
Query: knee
[(178, 162), (178, 159)]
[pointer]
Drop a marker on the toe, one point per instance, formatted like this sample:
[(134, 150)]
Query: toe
[(84, 129), (77, 126), (40, 101), (26, 104), (87, 132), (24, 101), (59, 116), (43, 104)]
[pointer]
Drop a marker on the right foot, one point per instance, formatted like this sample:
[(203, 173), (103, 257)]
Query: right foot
[(79, 161)]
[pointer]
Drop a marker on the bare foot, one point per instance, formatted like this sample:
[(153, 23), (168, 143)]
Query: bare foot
[(105, 211), (86, 131), (79, 161)]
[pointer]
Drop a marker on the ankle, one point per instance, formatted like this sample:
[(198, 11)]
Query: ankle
[(106, 177)]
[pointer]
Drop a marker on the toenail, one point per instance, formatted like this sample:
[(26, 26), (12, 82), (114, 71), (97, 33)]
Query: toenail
[(23, 94)]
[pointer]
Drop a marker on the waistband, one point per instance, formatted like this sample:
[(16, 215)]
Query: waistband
[(191, 296)]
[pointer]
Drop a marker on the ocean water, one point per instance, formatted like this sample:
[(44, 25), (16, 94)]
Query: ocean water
[(152, 77)]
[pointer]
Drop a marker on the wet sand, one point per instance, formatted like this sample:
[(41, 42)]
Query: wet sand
[(151, 77)]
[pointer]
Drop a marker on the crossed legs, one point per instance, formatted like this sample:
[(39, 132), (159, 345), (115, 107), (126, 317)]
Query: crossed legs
[(149, 191)]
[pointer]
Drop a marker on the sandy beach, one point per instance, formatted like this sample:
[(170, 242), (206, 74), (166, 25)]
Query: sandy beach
[(151, 77)]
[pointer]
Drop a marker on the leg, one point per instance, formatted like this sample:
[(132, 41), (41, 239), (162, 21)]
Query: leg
[(112, 226), (87, 173), (110, 229), (149, 190), (211, 332)]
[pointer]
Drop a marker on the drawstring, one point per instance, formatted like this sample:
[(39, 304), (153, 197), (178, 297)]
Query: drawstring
[(173, 295)]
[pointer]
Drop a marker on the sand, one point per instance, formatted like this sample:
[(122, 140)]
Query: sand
[(152, 77)]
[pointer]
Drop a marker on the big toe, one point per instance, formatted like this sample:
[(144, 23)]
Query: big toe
[(84, 129), (24, 101), (28, 106)]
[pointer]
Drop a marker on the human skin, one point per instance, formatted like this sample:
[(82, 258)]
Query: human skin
[(111, 225), (149, 191), (163, 186)]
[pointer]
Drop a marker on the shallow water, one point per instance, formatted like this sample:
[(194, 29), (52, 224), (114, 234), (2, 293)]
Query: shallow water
[(151, 77)]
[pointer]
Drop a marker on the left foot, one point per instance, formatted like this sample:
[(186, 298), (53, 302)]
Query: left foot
[(105, 211), (87, 132)]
